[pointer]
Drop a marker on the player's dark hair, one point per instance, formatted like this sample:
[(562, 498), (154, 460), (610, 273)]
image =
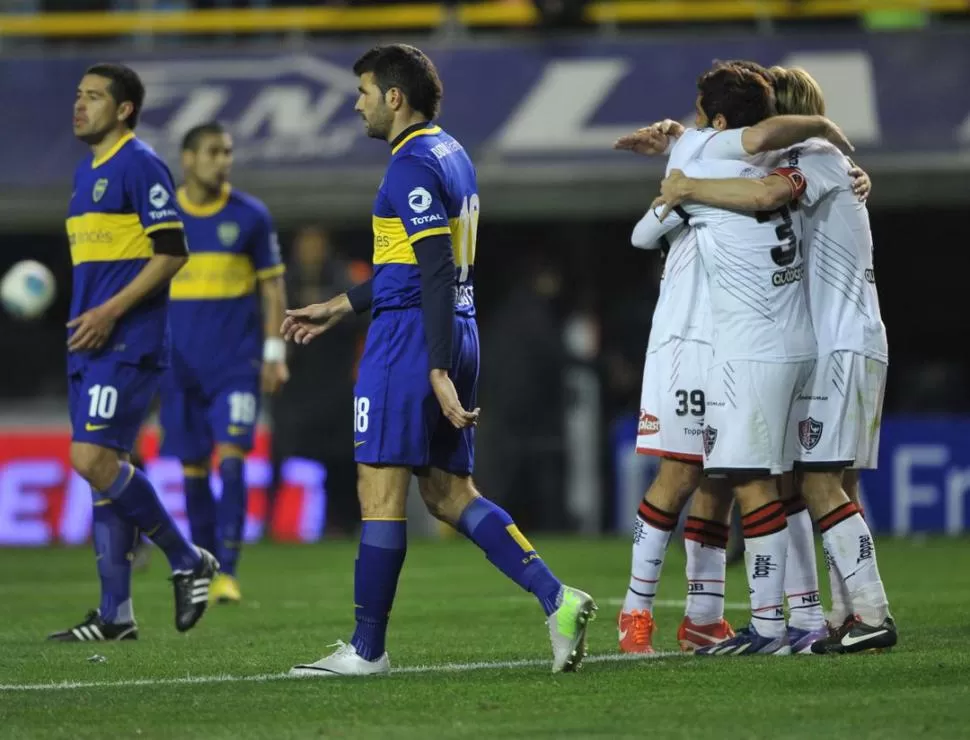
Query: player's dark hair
[(125, 86), (743, 97), (754, 67), (409, 70), (193, 137)]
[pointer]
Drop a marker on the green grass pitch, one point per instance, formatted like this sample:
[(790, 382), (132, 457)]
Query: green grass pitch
[(453, 610)]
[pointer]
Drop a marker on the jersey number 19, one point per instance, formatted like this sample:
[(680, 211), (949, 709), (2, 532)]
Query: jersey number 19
[(466, 244)]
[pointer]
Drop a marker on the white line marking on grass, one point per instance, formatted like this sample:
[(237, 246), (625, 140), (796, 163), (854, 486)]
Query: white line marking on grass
[(267, 677), (671, 603)]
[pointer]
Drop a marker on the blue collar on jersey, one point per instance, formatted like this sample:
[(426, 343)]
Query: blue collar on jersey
[(418, 129)]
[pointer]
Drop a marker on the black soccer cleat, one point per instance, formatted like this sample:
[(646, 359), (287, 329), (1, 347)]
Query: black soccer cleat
[(857, 638), (192, 591), (95, 629)]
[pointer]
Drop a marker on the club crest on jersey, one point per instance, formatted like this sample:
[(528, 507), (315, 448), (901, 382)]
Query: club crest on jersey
[(99, 187), (420, 200), (809, 432), (228, 232), (710, 439)]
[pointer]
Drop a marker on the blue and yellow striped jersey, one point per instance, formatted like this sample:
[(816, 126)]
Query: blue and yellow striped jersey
[(429, 189), (215, 311), (119, 201)]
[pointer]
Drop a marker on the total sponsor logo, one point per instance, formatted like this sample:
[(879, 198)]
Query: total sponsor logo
[(649, 424), (431, 218)]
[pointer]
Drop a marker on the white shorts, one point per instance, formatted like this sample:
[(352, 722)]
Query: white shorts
[(672, 400), (748, 407), (835, 419)]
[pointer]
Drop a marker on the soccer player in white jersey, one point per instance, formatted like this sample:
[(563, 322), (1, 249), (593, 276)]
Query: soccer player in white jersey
[(835, 420), (679, 353), (761, 246)]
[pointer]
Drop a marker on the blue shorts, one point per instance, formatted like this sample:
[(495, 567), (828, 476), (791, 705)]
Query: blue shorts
[(397, 419), (109, 400), (197, 415)]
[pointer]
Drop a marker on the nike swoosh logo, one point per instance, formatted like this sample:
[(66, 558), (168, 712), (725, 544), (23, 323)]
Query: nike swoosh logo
[(849, 641), (623, 634), (703, 635), (358, 444), (89, 427)]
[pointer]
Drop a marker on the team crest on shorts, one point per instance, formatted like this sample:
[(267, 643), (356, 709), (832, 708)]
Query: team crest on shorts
[(809, 432), (710, 438)]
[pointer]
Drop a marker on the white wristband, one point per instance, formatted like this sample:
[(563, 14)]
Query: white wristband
[(274, 350)]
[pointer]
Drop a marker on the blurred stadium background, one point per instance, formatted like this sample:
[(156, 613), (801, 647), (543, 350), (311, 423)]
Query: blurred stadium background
[(537, 91)]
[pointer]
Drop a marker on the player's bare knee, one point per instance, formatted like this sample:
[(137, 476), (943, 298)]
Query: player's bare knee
[(712, 500), (850, 484), (97, 465), (753, 492), (446, 495), (822, 491), (382, 491), (675, 482)]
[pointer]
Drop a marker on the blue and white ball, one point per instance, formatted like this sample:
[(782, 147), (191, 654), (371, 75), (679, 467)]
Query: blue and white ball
[(27, 290)]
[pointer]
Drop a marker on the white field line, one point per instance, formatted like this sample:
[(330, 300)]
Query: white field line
[(266, 677)]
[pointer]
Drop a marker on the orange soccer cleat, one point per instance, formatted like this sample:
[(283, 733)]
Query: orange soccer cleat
[(693, 636), (636, 631)]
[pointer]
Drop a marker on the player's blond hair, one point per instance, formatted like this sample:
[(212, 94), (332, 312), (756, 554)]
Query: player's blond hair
[(797, 92)]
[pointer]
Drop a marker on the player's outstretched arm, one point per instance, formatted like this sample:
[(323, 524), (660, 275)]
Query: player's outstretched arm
[(781, 132), (302, 325), (650, 140), (92, 328), (736, 193)]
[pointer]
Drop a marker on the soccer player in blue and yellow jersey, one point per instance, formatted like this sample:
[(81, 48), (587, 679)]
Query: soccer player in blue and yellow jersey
[(211, 395), (126, 244), (419, 373)]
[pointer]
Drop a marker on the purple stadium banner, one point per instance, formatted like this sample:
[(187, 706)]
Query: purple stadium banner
[(553, 101)]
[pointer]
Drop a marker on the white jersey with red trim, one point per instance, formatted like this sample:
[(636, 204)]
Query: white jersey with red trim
[(839, 274), (754, 269)]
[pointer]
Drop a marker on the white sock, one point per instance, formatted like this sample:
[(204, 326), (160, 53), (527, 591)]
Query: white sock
[(649, 548), (841, 601), (706, 545), (801, 574), (765, 552), (126, 612), (849, 542)]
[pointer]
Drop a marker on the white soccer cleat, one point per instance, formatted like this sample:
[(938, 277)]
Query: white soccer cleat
[(567, 629), (344, 661)]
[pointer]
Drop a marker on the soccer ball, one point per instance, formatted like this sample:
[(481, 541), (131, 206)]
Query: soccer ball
[(27, 290)]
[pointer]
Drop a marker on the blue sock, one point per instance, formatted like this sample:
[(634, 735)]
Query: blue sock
[(200, 506), (114, 538), (383, 545), (137, 501), (232, 513), (491, 528)]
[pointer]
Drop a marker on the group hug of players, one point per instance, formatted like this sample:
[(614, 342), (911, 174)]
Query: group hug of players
[(747, 371)]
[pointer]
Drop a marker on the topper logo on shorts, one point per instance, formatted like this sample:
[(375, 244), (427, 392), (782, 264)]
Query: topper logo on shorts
[(809, 432), (710, 439), (649, 424)]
